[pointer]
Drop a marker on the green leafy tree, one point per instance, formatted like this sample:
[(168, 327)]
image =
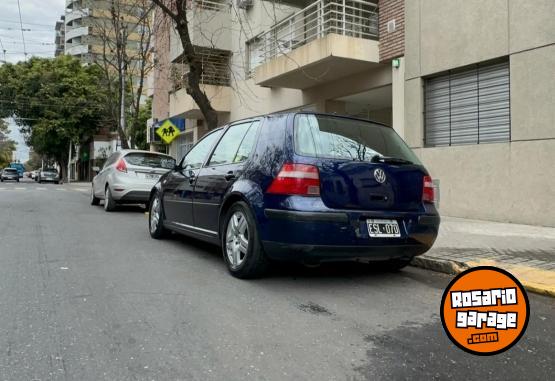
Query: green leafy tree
[(137, 129), (7, 146), (55, 102)]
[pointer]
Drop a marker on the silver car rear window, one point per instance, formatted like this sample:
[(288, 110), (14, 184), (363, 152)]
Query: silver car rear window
[(151, 160)]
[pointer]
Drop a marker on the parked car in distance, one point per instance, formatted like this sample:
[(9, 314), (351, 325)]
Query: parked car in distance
[(300, 187), (34, 175), (49, 175), (128, 176), (19, 167), (9, 174)]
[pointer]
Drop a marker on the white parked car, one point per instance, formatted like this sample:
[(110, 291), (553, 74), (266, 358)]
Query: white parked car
[(128, 176)]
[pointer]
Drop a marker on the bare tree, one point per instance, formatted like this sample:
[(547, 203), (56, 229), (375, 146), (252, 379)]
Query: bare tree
[(125, 33), (176, 10)]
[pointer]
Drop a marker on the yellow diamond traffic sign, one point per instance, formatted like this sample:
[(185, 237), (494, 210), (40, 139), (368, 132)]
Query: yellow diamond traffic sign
[(168, 131)]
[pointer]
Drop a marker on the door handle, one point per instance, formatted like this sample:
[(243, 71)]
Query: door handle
[(229, 176)]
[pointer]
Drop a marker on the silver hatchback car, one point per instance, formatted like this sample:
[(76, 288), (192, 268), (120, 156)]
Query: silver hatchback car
[(128, 176)]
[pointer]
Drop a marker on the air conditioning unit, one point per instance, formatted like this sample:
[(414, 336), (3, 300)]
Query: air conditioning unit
[(244, 4)]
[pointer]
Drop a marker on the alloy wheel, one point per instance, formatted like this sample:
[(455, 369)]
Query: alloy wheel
[(237, 239)]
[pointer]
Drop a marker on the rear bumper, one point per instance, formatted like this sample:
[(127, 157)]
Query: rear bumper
[(131, 192), (134, 196), (343, 235)]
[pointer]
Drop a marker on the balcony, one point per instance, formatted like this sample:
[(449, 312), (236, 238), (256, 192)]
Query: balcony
[(215, 81), (76, 14), (327, 40), (76, 49), (182, 105), (76, 32), (209, 26)]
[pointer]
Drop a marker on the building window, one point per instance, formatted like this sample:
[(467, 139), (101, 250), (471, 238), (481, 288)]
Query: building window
[(468, 106)]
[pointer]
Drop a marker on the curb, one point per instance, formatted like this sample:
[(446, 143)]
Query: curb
[(454, 267)]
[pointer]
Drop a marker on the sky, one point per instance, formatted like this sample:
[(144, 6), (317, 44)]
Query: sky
[(39, 18)]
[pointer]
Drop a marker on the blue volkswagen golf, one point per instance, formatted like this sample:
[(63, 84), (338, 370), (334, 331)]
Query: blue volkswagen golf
[(301, 187)]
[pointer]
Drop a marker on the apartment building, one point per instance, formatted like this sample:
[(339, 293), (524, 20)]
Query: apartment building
[(60, 40), (468, 84)]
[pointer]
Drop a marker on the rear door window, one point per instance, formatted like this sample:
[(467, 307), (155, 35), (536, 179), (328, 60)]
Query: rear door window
[(151, 160), (236, 145), (333, 137)]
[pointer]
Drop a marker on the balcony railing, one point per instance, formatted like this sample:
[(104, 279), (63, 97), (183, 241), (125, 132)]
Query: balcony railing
[(354, 18), (210, 5), (215, 69)]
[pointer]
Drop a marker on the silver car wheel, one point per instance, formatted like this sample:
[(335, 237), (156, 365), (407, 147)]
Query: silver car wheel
[(237, 239), (154, 214)]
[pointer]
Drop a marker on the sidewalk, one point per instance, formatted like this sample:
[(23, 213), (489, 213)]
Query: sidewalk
[(527, 252)]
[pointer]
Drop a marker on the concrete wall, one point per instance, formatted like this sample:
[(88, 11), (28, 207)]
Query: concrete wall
[(513, 181)]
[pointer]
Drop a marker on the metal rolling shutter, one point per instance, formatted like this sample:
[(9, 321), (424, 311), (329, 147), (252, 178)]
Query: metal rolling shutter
[(469, 106)]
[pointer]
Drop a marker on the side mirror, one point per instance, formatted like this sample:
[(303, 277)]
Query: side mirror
[(96, 169)]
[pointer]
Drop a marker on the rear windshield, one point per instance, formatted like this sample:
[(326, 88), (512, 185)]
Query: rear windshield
[(10, 170), (49, 170), (348, 139), (150, 160)]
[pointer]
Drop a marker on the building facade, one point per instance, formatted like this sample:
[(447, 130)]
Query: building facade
[(466, 84), (479, 105), (60, 40), (89, 25)]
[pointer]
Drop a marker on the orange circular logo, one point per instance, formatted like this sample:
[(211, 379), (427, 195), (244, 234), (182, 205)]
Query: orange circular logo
[(485, 310)]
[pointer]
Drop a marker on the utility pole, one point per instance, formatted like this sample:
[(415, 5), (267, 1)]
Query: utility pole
[(69, 164)]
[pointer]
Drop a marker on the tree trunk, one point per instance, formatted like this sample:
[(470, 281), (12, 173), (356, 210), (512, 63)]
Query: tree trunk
[(195, 66)]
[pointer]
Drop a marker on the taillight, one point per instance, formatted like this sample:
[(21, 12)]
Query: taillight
[(121, 166), (428, 194), (298, 179)]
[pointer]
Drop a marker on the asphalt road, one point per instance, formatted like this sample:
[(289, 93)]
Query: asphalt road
[(88, 295)]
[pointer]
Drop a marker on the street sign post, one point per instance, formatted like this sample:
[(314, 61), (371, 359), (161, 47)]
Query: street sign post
[(168, 131)]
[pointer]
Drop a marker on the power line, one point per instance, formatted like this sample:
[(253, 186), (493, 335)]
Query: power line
[(2, 20), (32, 103), (22, 34), (28, 43)]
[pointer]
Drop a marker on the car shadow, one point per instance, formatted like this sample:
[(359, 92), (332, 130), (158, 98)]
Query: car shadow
[(131, 208), (291, 270)]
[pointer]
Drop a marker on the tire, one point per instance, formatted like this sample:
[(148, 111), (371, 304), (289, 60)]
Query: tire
[(156, 227), (241, 247), (94, 200), (109, 203)]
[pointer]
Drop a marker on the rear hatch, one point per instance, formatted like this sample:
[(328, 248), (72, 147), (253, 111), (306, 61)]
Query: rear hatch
[(148, 166), (362, 165)]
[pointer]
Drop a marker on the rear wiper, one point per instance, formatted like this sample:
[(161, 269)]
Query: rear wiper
[(389, 160)]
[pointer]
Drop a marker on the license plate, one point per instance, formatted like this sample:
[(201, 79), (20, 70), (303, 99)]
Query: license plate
[(151, 177), (383, 228)]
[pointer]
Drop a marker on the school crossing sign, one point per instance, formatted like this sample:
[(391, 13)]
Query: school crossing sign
[(168, 131)]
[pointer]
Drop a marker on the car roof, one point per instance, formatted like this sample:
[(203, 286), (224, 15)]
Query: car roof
[(293, 113)]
